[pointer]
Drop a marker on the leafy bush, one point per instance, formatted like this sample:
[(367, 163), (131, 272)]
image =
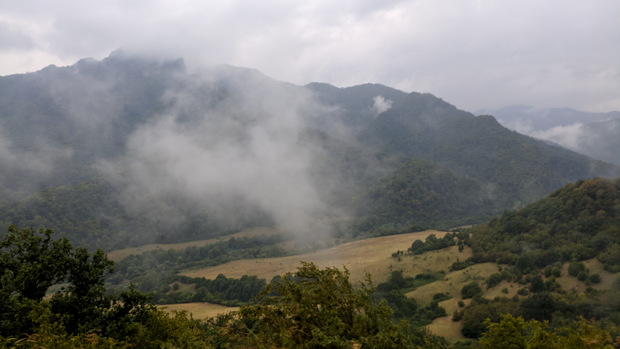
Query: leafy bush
[(574, 268), (471, 290)]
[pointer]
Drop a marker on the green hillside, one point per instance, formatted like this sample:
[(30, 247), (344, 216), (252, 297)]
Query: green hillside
[(555, 260), (577, 222), (515, 169), (543, 269), (420, 194)]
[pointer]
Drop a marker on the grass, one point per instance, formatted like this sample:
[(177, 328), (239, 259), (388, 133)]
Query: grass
[(373, 256), (454, 281), (452, 285), (445, 327), (190, 288)]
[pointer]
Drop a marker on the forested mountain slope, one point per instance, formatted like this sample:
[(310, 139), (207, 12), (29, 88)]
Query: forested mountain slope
[(419, 195), (577, 222), (56, 123), (101, 151), (516, 169)]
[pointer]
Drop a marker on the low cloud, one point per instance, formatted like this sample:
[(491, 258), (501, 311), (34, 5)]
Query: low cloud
[(225, 153), (24, 170), (380, 105), (570, 136)]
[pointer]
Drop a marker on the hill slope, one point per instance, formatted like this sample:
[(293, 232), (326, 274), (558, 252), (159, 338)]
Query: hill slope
[(577, 222)]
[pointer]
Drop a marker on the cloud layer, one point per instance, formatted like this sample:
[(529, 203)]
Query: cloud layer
[(475, 54), (228, 143)]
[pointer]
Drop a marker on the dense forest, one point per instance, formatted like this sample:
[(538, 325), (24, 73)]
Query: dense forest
[(574, 223)]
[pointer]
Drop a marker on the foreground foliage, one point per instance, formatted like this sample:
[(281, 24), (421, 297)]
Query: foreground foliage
[(31, 262), (320, 308), (309, 308)]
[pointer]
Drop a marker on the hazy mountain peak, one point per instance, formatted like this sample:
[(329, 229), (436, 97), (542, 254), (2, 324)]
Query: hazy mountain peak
[(594, 134)]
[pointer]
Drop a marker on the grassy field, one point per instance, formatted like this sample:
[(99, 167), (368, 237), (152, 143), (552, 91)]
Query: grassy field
[(117, 255), (454, 282), (372, 256), (452, 285)]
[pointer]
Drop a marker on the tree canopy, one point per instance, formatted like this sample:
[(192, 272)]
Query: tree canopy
[(31, 262), (319, 308)]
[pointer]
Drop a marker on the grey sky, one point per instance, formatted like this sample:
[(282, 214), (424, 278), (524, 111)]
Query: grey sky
[(473, 54)]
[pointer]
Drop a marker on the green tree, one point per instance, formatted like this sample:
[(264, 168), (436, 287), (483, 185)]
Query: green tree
[(537, 284), (508, 334), (318, 308), (30, 263), (471, 290), (84, 302), (417, 247), (575, 267), (539, 306)]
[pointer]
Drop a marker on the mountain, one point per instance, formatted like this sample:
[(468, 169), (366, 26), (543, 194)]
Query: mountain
[(594, 134), (57, 122), (356, 106), (129, 150), (514, 169)]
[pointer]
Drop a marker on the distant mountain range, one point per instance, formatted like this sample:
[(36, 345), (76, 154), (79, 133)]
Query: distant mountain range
[(130, 150), (594, 134)]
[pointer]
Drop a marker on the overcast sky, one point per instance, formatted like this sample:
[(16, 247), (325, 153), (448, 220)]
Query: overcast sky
[(473, 54)]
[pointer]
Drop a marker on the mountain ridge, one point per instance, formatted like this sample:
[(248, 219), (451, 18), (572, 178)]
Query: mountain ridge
[(192, 155), (594, 134)]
